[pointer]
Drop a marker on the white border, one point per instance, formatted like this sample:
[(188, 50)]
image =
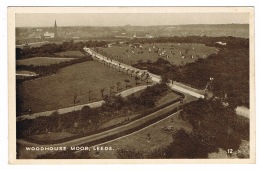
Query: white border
[(3, 72), (11, 60)]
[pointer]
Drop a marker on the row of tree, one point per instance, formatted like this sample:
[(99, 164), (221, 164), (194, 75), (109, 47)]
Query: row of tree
[(51, 48), (146, 99), (89, 119), (232, 42), (229, 68), (43, 70)]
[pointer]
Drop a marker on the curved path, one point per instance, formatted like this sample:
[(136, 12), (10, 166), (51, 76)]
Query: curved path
[(109, 133), (175, 86), (113, 134)]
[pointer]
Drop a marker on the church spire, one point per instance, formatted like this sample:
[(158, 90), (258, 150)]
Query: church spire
[(55, 30)]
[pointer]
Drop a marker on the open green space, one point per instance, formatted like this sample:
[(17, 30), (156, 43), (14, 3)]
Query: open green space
[(115, 112), (70, 54), (139, 141), (168, 97), (163, 99), (83, 81), (52, 136), (118, 120), (42, 61), (175, 53)]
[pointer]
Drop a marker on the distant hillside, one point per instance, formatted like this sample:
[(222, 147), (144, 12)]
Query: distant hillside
[(128, 31)]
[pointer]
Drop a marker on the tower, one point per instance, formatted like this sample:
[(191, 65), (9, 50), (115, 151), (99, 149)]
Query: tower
[(55, 30)]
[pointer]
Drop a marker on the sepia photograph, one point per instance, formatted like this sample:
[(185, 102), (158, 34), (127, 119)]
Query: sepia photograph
[(131, 84)]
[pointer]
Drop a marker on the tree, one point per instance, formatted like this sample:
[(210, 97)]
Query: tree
[(119, 66), (89, 95), (111, 88), (142, 75), (117, 85), (102, 93), (113, 103), (136, 73), (86, 109), (54, 121), (164, 79), (136, 80), (127, 71), (75, 101), (132, 71), (126, 82), (147, 77), (190, 145)]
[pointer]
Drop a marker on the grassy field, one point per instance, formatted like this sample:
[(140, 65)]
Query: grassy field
[(139, 140), (170, 96), (52, 136), (42, 61), (117, 120), (175, 53), (72, 54), (58, 90), (166, 98)]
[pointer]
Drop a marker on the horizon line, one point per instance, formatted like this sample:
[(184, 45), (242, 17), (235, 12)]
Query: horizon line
[(129, 25)]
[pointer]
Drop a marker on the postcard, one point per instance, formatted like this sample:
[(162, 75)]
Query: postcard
[(131, 85)]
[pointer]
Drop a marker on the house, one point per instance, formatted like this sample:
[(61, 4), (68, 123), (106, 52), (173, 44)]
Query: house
[(48, 35)]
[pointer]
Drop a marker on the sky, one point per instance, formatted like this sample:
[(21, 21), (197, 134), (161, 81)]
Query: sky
[(134, 19)]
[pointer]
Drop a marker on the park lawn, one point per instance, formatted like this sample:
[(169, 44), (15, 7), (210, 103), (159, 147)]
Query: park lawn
[(138, 140), (70, 54), (51, 136), (131, 55), (42, 61), (58, 90), (117, 120), (168, 97)]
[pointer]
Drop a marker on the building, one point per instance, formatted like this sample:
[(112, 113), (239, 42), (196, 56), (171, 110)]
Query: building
[(54, 34), (48, 35), (55, 30)]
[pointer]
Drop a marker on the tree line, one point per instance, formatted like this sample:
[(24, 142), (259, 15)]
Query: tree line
[(88, 120), (232, 42), (51, 48), (44, 70), (229, 68)]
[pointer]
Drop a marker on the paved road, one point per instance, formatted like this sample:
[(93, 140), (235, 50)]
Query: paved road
[(102, 58), (26, 75), (101, 135), (175, 86), (190, 95), (57, 58), (30, 44), (124, 93)]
